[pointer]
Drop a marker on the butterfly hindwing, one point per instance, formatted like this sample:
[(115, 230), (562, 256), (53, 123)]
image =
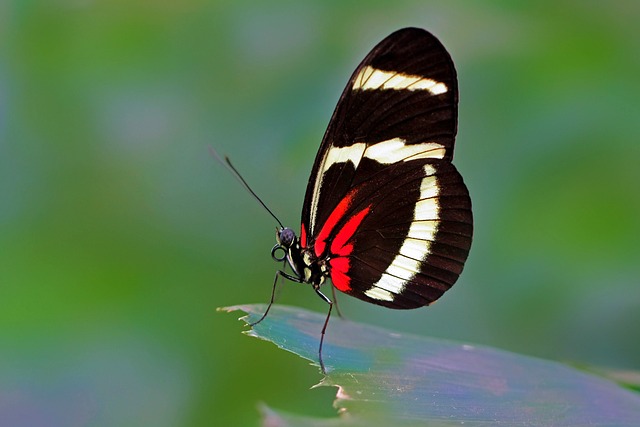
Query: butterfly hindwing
[(400, 239), (384, 206), (408, 253)]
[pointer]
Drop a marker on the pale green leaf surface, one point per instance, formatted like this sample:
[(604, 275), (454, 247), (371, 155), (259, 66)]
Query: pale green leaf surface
[(388, 378)]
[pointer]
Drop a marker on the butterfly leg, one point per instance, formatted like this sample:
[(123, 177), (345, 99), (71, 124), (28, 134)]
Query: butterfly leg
[(335, 301), (324, 327), (279, 274)]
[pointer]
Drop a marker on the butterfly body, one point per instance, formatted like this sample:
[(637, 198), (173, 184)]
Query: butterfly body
[(306, 267)]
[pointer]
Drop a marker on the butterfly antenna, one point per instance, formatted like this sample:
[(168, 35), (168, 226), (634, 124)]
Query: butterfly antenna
[(227, 163)]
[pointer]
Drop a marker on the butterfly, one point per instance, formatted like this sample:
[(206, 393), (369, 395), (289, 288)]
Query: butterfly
[(386, 216)]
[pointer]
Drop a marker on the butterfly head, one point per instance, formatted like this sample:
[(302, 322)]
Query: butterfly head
[(285, 237)]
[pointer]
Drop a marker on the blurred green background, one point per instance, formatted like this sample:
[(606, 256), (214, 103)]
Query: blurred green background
[(120, 235)]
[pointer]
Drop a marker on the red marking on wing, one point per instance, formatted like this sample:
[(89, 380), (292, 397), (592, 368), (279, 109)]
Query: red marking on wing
[(303, 236), (340, 264), (339, 278), (339, 245), (334, 218)]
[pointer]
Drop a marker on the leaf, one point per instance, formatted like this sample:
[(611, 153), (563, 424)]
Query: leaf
[(387, 378), (626, 378)]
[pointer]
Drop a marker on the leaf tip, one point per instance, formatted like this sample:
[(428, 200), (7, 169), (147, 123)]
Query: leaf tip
[(251, 333), (244, 308), (228, 309)]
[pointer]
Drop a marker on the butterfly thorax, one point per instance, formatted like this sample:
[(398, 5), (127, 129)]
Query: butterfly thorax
[(305, 265)]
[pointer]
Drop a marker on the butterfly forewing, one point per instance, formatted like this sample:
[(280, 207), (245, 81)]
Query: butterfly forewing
[(384, 206)]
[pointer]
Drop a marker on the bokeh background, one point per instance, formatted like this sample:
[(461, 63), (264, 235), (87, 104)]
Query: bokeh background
[(120, 235)]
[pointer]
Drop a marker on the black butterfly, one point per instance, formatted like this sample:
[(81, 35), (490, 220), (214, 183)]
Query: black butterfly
[(386, 217)]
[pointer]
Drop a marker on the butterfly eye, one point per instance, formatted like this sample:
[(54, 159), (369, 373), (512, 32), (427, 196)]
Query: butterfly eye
[(286, 236)]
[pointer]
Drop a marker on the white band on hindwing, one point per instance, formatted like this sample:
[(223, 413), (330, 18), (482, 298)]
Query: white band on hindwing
[(415, 248)]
